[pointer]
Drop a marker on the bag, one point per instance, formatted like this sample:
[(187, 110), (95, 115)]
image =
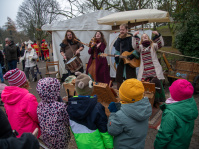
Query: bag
[(64, 76)]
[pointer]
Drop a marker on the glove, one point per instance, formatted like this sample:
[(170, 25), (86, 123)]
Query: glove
[(112, 107), (130, 56), (117, 59)]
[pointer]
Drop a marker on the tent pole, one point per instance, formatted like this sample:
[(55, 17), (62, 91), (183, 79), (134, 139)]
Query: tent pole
[(135, 24), (129, 28)]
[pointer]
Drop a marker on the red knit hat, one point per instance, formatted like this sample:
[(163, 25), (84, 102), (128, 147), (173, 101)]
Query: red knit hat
[(15, 77), (43, 40), (181, 89)]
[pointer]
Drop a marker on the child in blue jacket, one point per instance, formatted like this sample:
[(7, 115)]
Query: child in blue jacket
[(128, 123), (87, 117)]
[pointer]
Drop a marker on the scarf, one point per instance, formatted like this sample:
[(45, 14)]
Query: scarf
[(146, 43)]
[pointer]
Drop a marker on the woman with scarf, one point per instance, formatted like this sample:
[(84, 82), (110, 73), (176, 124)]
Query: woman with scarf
[(97, 67), (150, 68)]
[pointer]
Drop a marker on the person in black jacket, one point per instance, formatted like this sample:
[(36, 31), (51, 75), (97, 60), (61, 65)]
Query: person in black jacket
[(8, 139), (123, 44), (1, 65), (11, 54), (22, 51)]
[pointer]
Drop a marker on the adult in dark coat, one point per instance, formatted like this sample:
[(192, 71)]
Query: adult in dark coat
[(97, 66), (71, 46), (8, 139), (11, 54), (1, 65), (22, 51), (122, 44)]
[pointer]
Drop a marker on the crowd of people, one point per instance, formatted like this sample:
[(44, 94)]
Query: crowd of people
[(127, 125), (28, 54)]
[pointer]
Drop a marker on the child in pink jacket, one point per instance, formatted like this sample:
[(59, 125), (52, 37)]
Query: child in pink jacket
[(20, 105)]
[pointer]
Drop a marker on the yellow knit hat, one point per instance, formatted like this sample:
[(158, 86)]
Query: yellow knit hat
[(131, 91)]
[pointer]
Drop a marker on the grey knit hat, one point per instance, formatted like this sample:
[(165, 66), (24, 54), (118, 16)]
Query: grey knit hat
[(83, 84)]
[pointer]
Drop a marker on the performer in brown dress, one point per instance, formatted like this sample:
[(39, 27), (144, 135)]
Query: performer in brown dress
[(97, 66), (70, 47)]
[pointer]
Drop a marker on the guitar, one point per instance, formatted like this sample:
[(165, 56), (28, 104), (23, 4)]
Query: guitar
[(133, 63)]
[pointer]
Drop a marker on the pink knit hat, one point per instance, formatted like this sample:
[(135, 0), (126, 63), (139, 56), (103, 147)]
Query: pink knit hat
[(181, 89), (15, 77)]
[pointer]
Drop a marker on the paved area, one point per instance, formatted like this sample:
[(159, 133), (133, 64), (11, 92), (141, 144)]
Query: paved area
[(151, 132)]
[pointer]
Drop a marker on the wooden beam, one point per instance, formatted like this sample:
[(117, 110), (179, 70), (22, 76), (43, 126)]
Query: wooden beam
[(130, 25)]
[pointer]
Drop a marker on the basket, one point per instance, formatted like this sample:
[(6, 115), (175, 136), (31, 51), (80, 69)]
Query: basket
[(149, 91), (70, 89), (185, 66), (104, 95)]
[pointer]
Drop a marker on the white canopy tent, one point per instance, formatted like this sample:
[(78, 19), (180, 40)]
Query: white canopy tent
[(84, 28), (142, 15), (132, 18)]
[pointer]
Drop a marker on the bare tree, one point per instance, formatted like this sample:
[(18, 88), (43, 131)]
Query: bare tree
[(77, 7), (33, 14)]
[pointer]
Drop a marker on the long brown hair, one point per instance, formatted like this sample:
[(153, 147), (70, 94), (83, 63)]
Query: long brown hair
[(102, 37), (26, 85), (73, 37)]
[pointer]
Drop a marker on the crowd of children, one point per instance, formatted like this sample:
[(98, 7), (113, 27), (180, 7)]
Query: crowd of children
[(125, 128)]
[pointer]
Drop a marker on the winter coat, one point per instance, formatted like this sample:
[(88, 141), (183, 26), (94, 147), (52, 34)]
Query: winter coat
[(153, 49), (22, 52), (1, 59), (177, 125), (6, 130), (102, 69), (88, 123), (26, 141), (129, 125), (124, 44), (52, 115), (11, 52), (30, 58), (21, 109)]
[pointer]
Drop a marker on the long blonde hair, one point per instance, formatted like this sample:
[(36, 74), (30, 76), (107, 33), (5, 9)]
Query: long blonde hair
[(151, 41)]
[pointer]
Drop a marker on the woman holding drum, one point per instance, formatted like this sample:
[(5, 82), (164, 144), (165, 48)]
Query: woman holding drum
[(70, 50), (97, 66)]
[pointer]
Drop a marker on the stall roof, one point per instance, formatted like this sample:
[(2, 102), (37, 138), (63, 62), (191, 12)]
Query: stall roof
[(142, 15), (83, 22)]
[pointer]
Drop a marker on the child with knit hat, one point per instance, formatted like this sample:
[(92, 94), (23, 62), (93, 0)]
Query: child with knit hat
[(179, 114), (87, 117), (52, 115), (20, 105), (128, 123)]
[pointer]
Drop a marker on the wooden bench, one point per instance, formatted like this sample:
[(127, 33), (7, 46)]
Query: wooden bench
[(182, 70)]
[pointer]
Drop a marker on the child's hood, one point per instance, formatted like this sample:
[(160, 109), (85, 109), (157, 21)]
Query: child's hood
[(140, 110), (13, 94), (185, 109), (81, 106)]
